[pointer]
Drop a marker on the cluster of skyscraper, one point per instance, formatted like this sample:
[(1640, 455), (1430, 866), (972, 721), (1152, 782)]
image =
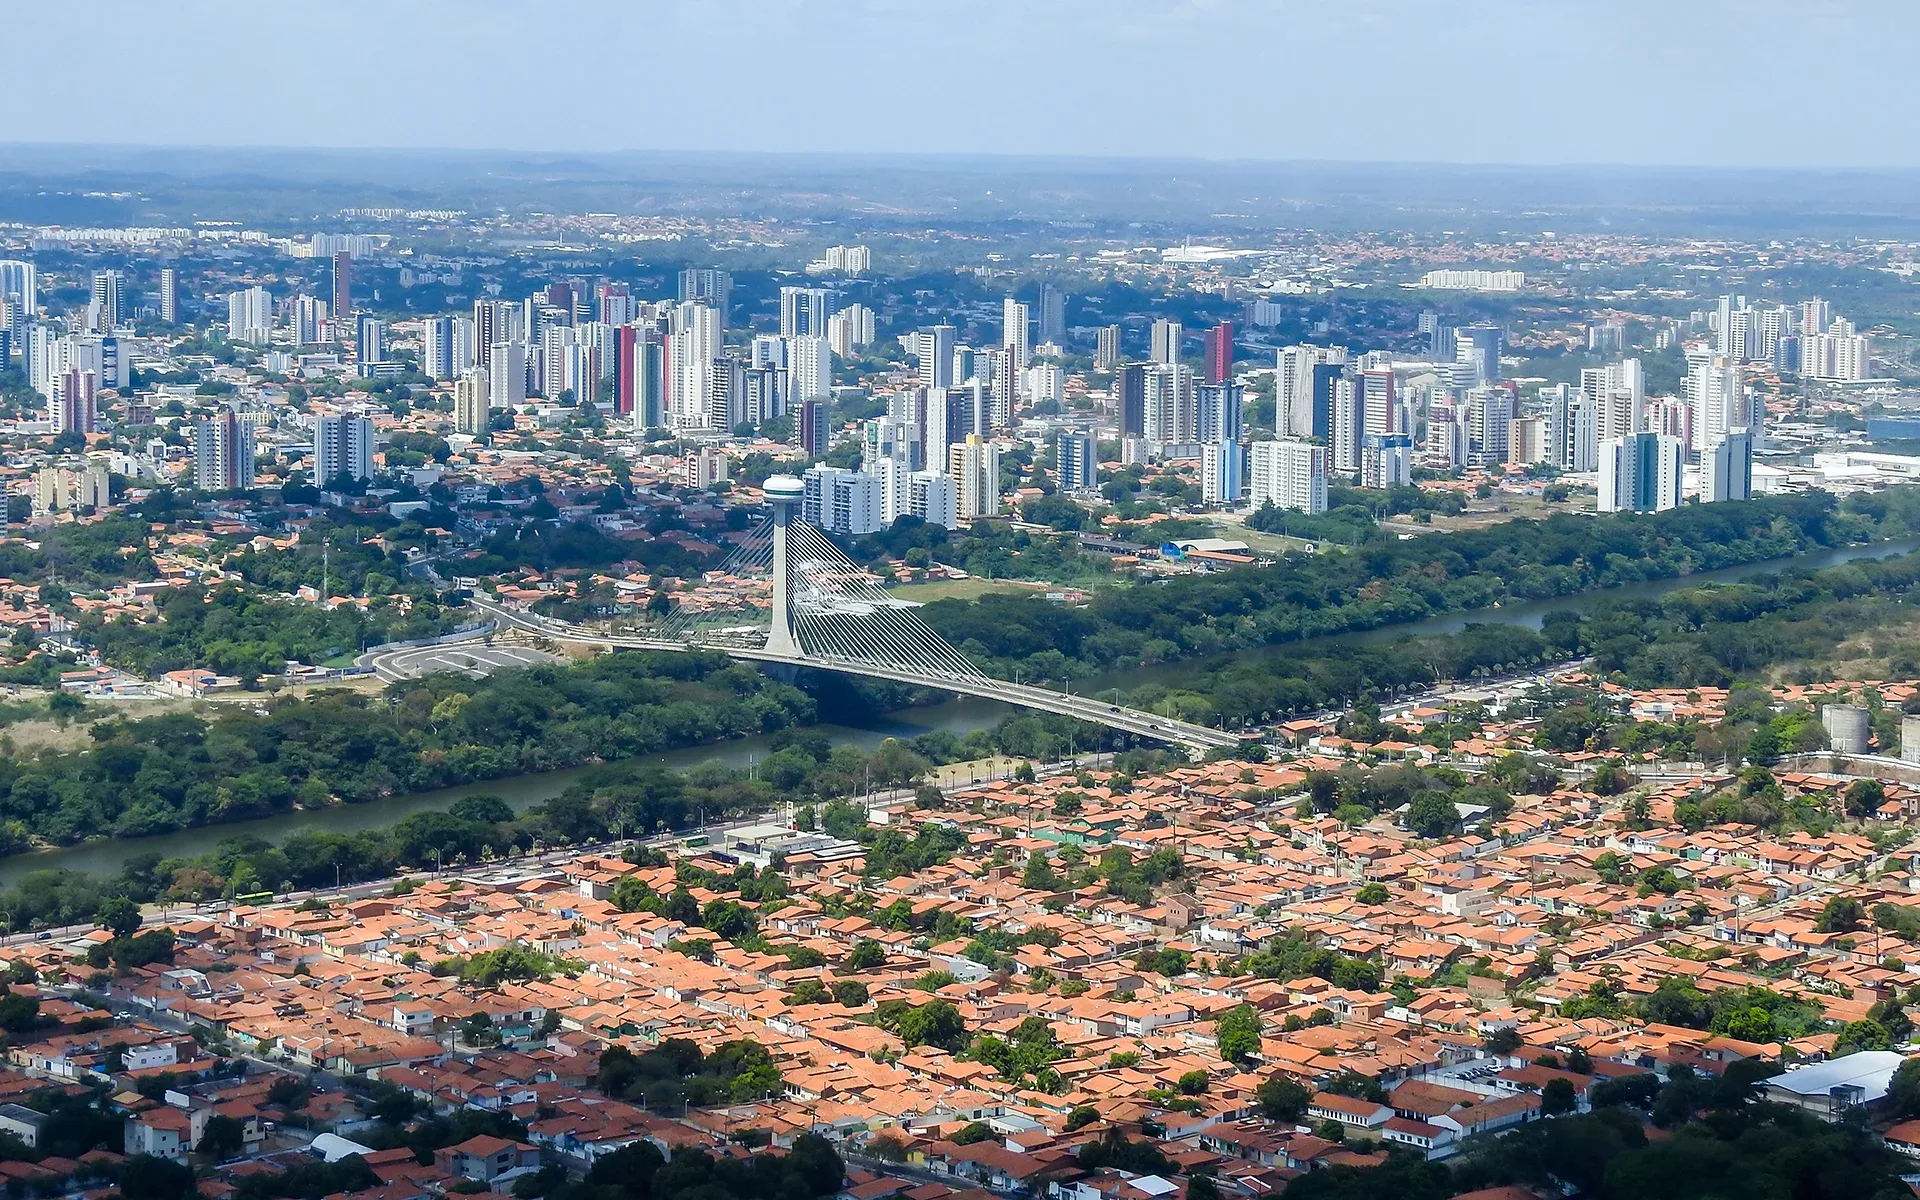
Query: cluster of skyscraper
[(1804, 339), (68, 367), (660, 364)]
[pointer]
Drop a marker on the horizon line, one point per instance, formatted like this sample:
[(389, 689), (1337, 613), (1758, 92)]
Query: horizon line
[(951, 157)]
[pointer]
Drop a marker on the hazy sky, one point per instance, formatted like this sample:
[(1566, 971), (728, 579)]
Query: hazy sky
[(1817, 83)]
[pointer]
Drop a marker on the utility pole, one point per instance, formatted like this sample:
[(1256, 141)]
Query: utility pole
[(326, 567)]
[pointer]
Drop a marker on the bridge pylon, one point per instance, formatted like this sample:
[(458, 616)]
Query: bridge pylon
[(785, 493)]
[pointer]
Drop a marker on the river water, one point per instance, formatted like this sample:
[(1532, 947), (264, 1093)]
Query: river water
[(960, 715)]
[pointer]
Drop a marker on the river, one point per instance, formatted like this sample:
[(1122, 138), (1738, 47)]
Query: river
[(960, 715)]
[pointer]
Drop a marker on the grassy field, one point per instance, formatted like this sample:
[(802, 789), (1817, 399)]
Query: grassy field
[(1495, 510), (960, 589)]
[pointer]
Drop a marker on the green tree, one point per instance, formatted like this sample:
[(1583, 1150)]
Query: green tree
[(1039, 876), (145, 1177), (1238, 1034), (1283, 1099), (935, 1023), (1373, 892), (119, 916), (1557, 1097), (1841, 914), (223, 1137), (1864, 797), (1432, 815), (1903, 1090)]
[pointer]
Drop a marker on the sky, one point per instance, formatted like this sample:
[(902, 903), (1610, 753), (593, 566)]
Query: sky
[(1762, 83)]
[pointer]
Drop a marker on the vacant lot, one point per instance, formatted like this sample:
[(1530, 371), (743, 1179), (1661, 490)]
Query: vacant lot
[(961, 589)]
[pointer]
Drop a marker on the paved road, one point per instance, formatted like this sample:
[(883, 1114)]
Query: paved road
[(462, 657)]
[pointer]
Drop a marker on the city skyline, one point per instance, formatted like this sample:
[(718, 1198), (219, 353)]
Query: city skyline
[(1492, 82)]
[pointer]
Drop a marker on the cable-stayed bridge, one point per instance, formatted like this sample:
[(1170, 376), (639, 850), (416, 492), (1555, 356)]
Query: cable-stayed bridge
[(788, 595)]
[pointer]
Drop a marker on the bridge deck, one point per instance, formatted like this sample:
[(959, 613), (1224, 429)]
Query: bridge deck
[(1084, 708)]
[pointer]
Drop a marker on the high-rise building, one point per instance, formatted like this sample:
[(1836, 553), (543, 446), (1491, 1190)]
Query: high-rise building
[(343, 285), (310, 324), (44, 357), (1288, 474), (1130, 398), (623, 358), (1219, 406), (1046, 382), (935, 347), (109, 301), (1016, 337), (616, 304), (1726, 471), (930, 496), (1166, 341), (1172, 411), (472, 402), (1478, 347), (169, 295), (1219, 356), (1447, 444), (804, 311), (494, 322), (1719, 400), (1838, 354), (19, 281), (974, 465), (1490, 423), (436, 348), (1303, 394), (851, 330), (1347, 421), (854, 260), (1053, 313), (1221, 471), (1640, 473), (809, 367), (1106, 353), (342, 445), (507, 373), (694, 345), (557, 343), (250, 316), (1815, 315), (222, 453), (1079, 461), (72, 406), (840, 501), (70, 489), (1380, 412), (707, 285), (1386, 460), (1527, 441), (369, 339), (649, 378), (815, 438)]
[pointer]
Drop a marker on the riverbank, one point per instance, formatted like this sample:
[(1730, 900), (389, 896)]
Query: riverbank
[(107, 856)]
